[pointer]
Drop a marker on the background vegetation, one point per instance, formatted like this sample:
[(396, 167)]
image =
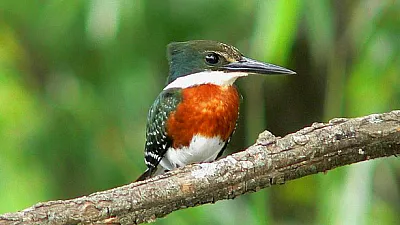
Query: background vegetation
[(77, 79)]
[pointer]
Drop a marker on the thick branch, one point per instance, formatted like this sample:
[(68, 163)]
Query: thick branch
[(270, 161)]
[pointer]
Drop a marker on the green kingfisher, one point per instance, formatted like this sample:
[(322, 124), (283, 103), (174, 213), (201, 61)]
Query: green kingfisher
[(193, 118)]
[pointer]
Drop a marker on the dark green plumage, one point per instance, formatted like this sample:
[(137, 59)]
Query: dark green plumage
[(191, 57), (157, 139), (188, 57)]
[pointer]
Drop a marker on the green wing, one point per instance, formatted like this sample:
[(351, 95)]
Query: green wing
[(157, 139)]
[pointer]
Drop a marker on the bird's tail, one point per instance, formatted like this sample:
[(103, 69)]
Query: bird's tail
[(145, 175)]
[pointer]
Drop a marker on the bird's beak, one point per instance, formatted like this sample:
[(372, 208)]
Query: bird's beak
[(248, 65)]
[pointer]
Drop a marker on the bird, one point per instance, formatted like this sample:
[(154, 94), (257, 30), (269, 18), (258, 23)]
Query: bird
[(193, 118)]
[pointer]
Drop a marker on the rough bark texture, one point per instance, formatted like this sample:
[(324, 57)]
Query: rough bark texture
[(271, 160)]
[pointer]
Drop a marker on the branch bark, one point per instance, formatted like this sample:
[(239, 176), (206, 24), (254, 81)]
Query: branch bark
[(271, 160)]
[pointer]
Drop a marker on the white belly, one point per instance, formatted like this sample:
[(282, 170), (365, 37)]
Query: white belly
[(200, 149)]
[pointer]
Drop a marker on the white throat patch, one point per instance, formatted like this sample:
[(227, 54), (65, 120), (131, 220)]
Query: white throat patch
[(206, 77)]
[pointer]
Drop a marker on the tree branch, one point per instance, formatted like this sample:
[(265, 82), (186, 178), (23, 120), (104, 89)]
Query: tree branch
[(272, 160)]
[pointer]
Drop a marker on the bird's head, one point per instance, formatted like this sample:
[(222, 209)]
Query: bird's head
[(210, 62)]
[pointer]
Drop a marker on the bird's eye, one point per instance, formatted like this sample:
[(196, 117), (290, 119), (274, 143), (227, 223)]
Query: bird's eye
[(212, 58)]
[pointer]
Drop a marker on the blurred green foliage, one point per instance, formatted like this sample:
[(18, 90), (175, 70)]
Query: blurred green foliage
[(77, 79)]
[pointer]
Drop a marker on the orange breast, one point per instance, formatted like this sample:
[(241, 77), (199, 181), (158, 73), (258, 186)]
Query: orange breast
[(209, 110)]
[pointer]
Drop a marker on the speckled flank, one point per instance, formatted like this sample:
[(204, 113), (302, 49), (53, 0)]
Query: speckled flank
[(157, 140)]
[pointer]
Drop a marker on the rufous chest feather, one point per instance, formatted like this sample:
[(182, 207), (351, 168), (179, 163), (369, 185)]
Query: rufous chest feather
[(208, 110)]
